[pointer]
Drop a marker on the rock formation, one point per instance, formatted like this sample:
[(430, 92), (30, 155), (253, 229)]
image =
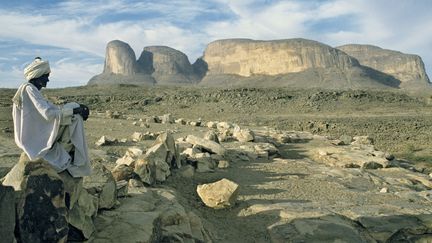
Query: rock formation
[(167, 65), (121, 66), (120, 59), (246, 57), (407, 68), (291, 62), (294, 63), (7, 213), (157, 64)]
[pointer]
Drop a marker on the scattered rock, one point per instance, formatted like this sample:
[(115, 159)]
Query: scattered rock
[(104, 141), (167, 119), (362, 140), (218, 195), (243, 135), (223, 164), (212, 136), (101, 184), (187, 171), (122, 188), (208, 145), (123, 172)]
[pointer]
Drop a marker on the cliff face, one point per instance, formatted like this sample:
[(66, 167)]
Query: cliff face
[(405, 67), (120, 58), (167, 65), (249, 57), (156, 65), (297, 63)]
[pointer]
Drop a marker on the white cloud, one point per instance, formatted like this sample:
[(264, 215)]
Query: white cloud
[(12, 78), (69, 73)]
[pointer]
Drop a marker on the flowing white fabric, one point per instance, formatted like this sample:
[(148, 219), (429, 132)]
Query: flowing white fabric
[(37, 123), (36, 69)]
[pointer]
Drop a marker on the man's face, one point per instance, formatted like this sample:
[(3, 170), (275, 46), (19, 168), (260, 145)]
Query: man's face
[(44, 80)]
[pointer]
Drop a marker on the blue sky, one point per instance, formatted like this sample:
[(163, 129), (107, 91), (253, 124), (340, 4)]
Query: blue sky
[(73, 35)]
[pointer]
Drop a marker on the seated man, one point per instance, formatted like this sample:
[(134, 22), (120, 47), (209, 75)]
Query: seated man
[(46, 131)]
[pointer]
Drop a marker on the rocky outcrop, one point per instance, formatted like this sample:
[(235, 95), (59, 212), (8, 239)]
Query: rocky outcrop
[(407, 68), (246, 57), (7, 213), (121, 67), (218, 195), (120, 59), (167, 65), (157, 64), (41, 214), (297, 63)]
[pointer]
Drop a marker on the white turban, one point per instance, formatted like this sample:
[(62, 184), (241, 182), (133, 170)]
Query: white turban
[(36, 69)]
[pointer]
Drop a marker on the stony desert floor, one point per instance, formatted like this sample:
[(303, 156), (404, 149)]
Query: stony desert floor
[(294, 182)]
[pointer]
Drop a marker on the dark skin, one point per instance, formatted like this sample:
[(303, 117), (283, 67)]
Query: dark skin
[(42, 81)]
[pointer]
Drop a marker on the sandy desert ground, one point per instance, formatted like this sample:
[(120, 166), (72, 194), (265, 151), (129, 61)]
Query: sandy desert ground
[(398, 123)]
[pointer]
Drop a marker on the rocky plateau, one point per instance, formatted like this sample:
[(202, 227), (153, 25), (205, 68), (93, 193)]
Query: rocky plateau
[(294, 63)]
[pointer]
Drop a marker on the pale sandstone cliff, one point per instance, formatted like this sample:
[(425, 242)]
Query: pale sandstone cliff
[(246, 57), (297, 63), (167, 65), (121, 67), (120, 58), (407, 68)]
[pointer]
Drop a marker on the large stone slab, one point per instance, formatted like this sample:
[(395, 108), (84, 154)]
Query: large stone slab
[(7, 213), (149, 215), (41, 209)]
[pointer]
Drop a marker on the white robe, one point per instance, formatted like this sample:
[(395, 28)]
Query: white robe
[(37, 123)]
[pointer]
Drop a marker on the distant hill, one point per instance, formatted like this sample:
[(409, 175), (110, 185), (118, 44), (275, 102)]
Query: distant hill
[(407, 68), (298, 63)]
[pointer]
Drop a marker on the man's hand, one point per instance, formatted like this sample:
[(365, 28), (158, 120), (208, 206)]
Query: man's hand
[(83, 111)]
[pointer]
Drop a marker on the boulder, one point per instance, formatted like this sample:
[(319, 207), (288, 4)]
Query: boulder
[(362, 140), (350, 157), (187, 171), (223, 164), (208, 145), (218, 195), (167, 119), (243, 135), (123, 172), (204, 162), (173, 156), (156, 163), (7, 213), (212, 136), (102, 185), (104, 140), (41, 209), (81, 215)]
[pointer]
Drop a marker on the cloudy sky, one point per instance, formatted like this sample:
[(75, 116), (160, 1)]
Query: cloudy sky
[(72, 35)]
